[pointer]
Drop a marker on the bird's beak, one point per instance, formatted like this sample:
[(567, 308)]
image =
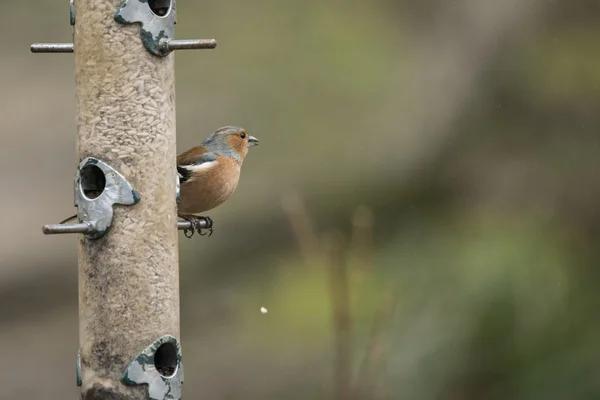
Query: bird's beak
[(252, 141)]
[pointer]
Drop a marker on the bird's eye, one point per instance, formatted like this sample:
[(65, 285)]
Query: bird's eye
[(243, 135)]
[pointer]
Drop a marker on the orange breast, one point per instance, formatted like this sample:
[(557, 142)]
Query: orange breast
[(209, 188)]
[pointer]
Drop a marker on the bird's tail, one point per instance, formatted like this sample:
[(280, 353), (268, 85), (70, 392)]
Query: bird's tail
[(68, 219)]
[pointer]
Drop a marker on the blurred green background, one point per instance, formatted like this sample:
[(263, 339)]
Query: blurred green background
[(419, 220)]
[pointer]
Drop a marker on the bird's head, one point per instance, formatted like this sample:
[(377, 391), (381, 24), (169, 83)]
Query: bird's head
[(230, 141)]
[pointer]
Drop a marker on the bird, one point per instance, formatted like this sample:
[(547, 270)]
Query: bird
[(209, 174)]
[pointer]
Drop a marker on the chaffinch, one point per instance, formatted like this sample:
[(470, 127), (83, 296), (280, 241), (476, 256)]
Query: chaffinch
[(209, 173)]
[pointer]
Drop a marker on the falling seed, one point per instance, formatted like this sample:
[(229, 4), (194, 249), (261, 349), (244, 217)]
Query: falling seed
[(263, 310)]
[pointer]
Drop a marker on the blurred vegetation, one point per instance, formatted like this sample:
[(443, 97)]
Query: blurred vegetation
[(419, 220)]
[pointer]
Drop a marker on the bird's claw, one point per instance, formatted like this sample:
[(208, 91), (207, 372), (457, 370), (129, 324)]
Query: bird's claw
[(210, 229), (188, 233)]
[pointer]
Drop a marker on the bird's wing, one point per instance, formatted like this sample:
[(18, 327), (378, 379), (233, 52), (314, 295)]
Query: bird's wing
[(194, 160)]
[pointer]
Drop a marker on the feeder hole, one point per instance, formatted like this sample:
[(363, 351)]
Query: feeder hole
[(165, 359), (93, 181), (160, 7)]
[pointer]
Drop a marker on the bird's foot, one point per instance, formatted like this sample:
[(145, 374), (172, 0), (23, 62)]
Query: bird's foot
[(209, 227), (196, 223)]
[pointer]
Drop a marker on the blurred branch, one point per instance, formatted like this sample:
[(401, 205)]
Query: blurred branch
[(370, 375), (302, 225), (367, 381), (332, 247), (342, 325), (362, 237)]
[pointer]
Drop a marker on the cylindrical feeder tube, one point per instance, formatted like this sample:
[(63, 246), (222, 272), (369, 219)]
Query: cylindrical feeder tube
[(129, 278)]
